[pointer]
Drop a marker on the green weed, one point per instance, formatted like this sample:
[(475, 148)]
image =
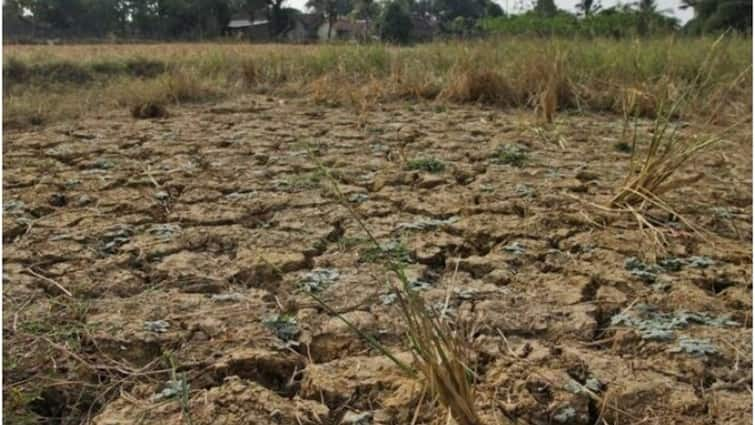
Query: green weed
[(394, 251), (430, 165), (511, 155)]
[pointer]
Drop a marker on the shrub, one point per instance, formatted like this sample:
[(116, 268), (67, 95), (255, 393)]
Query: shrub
[(430, 165)]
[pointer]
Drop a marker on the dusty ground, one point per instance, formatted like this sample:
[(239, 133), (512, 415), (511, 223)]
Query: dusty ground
[(164, 231)]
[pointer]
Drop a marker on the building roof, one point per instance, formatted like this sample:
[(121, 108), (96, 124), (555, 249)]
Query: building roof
[(246, 23), (240, 23)]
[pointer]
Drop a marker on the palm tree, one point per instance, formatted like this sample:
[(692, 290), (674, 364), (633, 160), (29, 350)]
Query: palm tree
[(588, 7), (650, 17)]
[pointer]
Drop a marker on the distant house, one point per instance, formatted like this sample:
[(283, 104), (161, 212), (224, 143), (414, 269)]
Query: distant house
[(304, 28), (344, 29), (242, 26)]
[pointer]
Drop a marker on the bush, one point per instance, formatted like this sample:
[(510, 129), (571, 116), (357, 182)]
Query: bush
[(613, 22)]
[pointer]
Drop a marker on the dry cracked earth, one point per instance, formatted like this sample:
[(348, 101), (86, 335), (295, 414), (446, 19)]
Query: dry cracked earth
[(156, 271)]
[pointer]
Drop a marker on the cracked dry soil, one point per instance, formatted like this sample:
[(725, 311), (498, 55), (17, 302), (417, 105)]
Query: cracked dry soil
[(195, 235)]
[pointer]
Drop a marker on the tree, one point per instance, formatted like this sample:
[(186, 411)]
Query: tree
[(588, 7), (448, 10), (492, 9), (648, 15), (719, 15), (395, 23), (546, 8)]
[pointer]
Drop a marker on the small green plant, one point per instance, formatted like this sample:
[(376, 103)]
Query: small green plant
[(303, 181), (346, 243), (284, 326), (394, 251), (430, 165), (510, 155), (177, 388), (17, 404)]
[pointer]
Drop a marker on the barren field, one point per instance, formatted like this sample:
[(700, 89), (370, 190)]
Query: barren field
[(156, 271)]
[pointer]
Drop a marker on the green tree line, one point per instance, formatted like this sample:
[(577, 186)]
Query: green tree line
[(392, 20), (191, 19), (641, 18)]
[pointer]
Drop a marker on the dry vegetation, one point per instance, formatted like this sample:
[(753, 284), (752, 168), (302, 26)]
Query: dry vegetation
[(50, 82)]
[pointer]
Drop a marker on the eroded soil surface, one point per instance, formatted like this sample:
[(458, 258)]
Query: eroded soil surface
[(186, 243)]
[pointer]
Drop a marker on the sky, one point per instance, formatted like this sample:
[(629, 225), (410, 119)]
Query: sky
[(511, 6)]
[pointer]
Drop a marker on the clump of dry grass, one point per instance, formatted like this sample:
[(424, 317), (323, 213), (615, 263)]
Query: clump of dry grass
[(149, 109), (649, 176), (441, 354), (545, 81), (324, 90), (149, 98), (656, 163), (479, 85), (185, 86), (250, 74)]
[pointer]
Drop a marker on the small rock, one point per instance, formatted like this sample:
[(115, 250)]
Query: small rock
[(232, 297), (565, 415), (610, 295), (387, 299), (515, 248), (694, 347), (430, 181), (103, 164), (158, 326), (499, 277), (358, 198), (84, 200), (594, 385), (353, 418), (477, 266), (211, 326)]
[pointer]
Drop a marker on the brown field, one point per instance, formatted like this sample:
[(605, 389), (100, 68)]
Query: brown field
[(155, 270)]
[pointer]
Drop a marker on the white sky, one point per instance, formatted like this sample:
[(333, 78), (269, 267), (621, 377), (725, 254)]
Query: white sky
[(514, 6)]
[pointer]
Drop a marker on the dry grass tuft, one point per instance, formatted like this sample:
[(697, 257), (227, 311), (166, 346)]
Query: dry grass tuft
[(149, 109), (441, 355), (475, 85), (650, 174), (185, 86), (250, 73), (655, 164), (548, 79), (325, 90)]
